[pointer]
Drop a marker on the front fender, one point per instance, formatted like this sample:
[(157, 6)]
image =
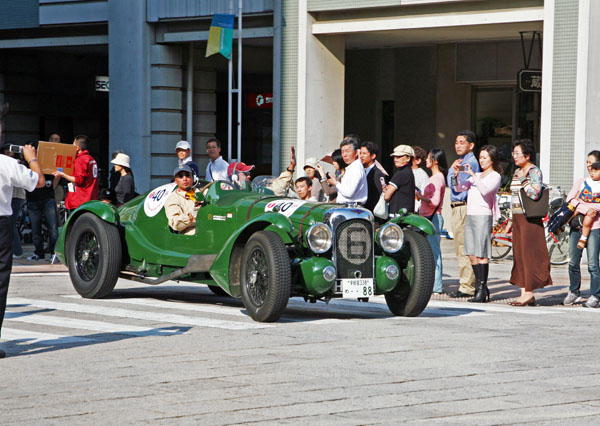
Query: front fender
[(229, 257), (419, 222), (104, 211)]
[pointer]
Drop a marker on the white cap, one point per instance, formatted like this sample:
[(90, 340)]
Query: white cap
[(311, 162), (121, 160), (183, 145)]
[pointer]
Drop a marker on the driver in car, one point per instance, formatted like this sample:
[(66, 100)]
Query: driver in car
[(181, 207)]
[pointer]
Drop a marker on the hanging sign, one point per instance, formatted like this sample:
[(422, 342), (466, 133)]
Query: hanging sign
[(102, 83), (530, 80)]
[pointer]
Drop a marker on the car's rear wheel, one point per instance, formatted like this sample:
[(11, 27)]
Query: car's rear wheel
[(266, 278), (411, 296), (93, 256)]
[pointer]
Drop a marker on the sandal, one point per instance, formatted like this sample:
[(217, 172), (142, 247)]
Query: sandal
[(530, 302)]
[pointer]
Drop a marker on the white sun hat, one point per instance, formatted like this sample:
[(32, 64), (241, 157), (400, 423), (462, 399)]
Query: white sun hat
[(121, 160)]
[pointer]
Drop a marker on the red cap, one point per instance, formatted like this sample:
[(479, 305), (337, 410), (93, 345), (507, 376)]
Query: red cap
[(238, 167)]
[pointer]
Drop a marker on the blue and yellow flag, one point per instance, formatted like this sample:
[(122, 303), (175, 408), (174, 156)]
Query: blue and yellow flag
[(220, 36)]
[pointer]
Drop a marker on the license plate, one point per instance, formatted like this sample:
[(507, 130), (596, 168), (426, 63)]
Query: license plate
[(355, 288)]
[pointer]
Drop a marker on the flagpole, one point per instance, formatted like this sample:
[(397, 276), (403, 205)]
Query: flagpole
[(239, 88), (229, 98)]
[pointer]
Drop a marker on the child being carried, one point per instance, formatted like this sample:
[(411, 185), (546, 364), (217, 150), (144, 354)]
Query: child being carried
[(589, 193)]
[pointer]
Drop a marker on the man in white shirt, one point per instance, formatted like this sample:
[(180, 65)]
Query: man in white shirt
[(353, 186), (217, 167), (12, 174)]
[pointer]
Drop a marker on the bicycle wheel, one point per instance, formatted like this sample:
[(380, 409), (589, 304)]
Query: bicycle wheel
[(501, 241), (500, 248), (558, 250)]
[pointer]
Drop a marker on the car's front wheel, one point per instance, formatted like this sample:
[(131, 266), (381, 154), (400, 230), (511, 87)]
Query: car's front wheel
[(94, 256), (412, 294), (266, 278)]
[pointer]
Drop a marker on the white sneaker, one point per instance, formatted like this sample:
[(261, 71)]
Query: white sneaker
[(592, 302), (20, 256), (571, 299), (35, 257)]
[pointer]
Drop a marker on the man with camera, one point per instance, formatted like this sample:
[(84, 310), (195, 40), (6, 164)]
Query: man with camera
[(12, 175), (463, 145)]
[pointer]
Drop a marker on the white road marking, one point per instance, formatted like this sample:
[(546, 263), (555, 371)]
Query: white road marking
[(488, 307), (38, 274), (143, 315), (165, 304), (215, 309), (105, 327), (47, 339)]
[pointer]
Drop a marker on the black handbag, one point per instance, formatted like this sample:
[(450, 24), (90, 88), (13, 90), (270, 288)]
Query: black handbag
[(535, 209)]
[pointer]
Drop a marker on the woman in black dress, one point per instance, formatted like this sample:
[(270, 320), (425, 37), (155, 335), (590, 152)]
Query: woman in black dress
[(125, 189)]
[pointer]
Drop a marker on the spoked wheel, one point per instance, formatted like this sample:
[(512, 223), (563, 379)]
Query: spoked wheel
[(501, 240), (266, 278), (501, 246), (94, 256), (558, 250), (412, 294)]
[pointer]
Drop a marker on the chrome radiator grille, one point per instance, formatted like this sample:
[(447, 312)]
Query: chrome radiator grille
[(354, 249)]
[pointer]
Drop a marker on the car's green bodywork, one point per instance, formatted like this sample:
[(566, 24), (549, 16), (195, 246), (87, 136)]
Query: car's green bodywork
[(225, 222)]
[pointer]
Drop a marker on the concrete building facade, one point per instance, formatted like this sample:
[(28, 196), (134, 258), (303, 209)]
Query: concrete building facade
[(393, 71)]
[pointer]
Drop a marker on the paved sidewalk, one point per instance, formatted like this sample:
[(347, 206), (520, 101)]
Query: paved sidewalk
[(501, 290)]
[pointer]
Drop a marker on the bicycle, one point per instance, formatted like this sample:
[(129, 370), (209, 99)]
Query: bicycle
[(558, 245)]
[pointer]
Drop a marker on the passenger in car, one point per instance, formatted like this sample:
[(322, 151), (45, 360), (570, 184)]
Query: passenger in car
[(181, 207)]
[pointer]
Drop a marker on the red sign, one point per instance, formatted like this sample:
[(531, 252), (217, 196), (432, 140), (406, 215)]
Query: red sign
[(259, 100)]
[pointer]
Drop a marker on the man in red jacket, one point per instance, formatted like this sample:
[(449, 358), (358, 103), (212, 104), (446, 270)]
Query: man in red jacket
[(84, 182)]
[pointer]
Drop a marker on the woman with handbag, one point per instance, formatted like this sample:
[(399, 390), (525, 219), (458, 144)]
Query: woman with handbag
[(432, 200), (531, 263), (585, 194), (482, 209)]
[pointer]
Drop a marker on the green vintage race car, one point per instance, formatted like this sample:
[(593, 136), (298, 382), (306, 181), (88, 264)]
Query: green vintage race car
[(252, 244)]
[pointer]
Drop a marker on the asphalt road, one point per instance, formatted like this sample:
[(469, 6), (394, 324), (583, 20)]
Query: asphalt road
[(177, 354)]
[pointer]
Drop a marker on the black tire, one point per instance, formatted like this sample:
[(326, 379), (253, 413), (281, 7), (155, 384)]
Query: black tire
[(94, 256), (266, 277), (558, 250), (218, 290), (417, 273)]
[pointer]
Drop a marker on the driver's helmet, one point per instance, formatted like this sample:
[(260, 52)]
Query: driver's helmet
[(238, 174)]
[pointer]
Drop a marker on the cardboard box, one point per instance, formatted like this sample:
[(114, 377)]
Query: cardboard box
[(54, 157)]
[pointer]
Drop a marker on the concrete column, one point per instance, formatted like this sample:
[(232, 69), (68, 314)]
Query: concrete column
[(168, 118), (129, 40), (592, 129), (321, 73)]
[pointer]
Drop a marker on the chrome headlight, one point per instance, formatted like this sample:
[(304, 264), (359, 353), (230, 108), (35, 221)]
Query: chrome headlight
[(319, 238), (391, 237)]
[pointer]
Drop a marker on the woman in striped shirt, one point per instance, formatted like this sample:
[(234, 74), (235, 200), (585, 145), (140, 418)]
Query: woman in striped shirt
[(531, 264)]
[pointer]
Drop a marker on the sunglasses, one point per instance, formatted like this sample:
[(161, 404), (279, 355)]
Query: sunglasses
[(183, 174)]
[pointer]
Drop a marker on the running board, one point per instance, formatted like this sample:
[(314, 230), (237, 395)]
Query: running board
[(196, 263)]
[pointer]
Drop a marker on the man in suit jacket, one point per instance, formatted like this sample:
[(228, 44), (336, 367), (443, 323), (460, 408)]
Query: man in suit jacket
[(376, 176)]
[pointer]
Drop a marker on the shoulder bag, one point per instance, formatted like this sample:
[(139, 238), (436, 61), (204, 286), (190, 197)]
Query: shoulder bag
[(381, 209), (535, 209)]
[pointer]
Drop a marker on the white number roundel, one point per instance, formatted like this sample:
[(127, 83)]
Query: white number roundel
[(157, 198)]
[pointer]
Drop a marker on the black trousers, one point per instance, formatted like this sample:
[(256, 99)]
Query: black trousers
[(6, 252)]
